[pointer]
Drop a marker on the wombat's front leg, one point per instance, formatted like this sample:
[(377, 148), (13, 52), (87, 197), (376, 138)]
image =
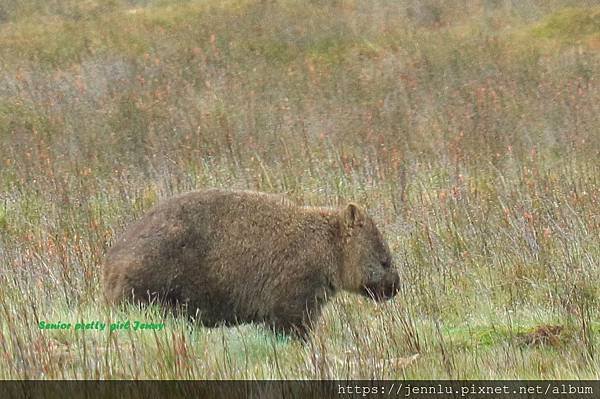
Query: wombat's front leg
[(298, 322), (298, 330)]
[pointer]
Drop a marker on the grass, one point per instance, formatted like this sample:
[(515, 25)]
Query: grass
[(473, 136)]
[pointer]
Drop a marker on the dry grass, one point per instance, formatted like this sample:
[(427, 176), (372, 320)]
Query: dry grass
[(473, 135)]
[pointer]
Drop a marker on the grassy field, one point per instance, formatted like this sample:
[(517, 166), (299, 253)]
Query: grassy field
[(470, 129)]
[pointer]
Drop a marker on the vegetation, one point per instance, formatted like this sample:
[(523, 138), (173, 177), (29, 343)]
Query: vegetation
[(470, 129)]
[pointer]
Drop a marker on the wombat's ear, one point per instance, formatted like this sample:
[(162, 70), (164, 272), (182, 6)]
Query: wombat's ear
[(353, 216)]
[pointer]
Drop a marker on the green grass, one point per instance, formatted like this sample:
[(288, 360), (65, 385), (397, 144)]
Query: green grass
[(472, 135), (571, 24)]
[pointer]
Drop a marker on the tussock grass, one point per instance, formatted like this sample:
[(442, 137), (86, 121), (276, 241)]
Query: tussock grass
[(473, 135)]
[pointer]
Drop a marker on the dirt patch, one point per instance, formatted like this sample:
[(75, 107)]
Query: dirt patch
[(545, 335)]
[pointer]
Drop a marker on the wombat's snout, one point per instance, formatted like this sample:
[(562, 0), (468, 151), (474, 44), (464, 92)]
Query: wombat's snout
[(387, 289), (392, 287)]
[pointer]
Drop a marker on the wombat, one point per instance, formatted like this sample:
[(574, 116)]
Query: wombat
[(229, 257)]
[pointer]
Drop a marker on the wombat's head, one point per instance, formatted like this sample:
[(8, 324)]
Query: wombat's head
[(367, 266)]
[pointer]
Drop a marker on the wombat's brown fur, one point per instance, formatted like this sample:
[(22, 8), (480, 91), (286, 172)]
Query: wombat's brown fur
[(241, 256)]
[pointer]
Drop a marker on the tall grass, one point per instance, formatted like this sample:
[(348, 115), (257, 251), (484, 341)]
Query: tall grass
[(470, 129)]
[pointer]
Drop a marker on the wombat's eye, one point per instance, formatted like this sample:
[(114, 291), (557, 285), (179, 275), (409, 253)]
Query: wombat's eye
[(386, 264)]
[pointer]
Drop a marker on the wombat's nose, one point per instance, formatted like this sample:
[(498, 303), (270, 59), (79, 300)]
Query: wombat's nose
[(390, 288)]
